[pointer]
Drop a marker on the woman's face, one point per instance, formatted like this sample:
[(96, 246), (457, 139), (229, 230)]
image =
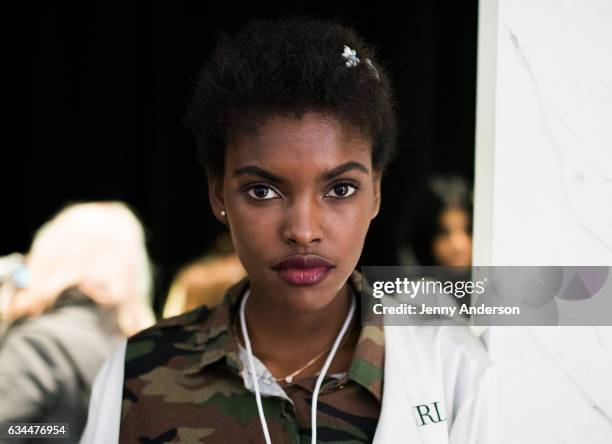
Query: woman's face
[(453, 245), (299, 189)]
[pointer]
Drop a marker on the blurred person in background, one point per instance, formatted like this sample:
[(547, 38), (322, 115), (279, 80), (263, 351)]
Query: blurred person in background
[(440, 239), (85, 284), (205, 281), (441, 225)]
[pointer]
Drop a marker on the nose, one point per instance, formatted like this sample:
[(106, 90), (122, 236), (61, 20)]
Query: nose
[(302, 224)]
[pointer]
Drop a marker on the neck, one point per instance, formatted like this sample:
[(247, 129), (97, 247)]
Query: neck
[(284, 339)]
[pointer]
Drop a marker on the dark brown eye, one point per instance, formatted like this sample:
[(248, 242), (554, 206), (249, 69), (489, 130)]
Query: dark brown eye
[(342, 190), (262, 192)]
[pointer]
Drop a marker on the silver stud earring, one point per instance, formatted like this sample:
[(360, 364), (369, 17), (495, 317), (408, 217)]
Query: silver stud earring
[(222, 212)]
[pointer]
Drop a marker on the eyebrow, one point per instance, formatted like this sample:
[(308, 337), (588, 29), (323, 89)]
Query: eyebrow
[(328, 175), (256, 171), (341, 169)]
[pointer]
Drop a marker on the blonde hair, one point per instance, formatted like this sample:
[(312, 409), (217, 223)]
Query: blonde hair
[(98, 247)]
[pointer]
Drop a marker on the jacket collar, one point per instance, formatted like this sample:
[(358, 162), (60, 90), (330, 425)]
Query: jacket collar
[(216, 340)]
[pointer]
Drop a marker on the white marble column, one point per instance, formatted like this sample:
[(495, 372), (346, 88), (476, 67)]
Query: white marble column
[(543, 194)]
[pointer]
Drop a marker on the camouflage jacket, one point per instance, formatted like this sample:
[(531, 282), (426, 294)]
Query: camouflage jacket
[(185, 381)]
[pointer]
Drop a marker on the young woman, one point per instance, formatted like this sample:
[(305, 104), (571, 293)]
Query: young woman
[(295, 124)]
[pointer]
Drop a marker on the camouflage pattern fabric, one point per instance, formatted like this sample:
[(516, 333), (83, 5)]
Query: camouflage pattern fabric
[(183, 384)]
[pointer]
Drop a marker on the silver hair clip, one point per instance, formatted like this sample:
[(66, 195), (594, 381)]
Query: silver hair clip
[(350, 56), (352, 60)]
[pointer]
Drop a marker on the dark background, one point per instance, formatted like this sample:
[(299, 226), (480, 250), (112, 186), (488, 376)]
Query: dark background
[(103, 90)]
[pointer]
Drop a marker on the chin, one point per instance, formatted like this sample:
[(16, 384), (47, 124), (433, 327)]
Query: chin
[(308, 298)]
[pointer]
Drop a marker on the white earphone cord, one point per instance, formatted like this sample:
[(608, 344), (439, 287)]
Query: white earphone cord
[(323, 372)]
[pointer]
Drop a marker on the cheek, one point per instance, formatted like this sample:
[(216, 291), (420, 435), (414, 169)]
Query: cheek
[(464, 242), (250, 236), (347, 228), (440, 246)]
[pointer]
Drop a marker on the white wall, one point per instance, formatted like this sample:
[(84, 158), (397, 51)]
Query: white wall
[(543, 192)]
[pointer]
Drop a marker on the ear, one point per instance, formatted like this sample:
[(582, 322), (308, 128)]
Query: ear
[(377, 178), (215, 196)]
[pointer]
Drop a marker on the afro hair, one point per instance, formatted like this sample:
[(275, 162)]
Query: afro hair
[(288, 67)]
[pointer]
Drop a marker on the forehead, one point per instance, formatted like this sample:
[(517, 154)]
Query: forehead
[(454, 216), (314, 141)]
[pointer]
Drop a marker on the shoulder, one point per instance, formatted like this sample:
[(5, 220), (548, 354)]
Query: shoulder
[(452, 350), (74, 318), (174, 329), (176, 338), (174, 323), (461, 349), (57, 321), (73, 328), (180, 341)]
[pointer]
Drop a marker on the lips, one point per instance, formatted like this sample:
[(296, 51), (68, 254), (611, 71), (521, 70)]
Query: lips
[(301, 270)]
